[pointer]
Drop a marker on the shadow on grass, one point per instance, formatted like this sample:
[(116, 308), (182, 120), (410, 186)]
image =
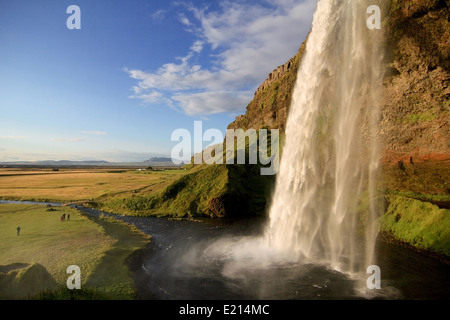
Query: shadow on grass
[(113, 277), (66, 294)]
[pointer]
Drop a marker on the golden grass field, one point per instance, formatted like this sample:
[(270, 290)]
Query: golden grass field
[(68, 185)]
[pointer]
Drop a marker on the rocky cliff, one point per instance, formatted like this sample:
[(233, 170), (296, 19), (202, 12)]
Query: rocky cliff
[(270, 105), (415, 102), (415, 108)]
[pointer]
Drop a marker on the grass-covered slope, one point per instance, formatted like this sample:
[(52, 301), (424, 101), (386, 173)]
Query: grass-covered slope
[(420, 224), (206, 190), (418, 204), (25, 281)]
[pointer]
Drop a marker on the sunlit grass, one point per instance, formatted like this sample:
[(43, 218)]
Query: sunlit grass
[(99, 247), (418, 223), (44, 239), (73, 185)]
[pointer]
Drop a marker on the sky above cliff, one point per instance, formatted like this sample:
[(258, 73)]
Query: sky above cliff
[(135, 71)]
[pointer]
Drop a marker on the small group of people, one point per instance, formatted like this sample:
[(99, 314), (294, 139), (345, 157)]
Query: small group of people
[(63, 217)]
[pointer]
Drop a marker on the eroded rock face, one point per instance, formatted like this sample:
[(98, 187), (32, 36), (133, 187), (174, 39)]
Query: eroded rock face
[(270, 105), (415, 106), (415, 99)]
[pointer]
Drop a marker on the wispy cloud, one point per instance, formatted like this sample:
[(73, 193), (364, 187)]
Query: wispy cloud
[(95, 133), (159, 15), (247, 41), (13, 137), (71, 140), (184, 20)]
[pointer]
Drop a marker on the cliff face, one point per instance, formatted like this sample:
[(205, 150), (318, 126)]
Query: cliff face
[(415, 106), (415, 100), (270, 105), (415, 128)]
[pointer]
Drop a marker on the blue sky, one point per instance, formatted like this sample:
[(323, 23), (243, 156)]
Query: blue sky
[(135, 72)]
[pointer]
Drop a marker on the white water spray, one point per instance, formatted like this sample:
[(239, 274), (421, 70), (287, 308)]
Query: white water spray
[(331, 154)]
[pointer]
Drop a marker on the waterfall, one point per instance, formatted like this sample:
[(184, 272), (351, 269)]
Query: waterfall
[(323, 206)]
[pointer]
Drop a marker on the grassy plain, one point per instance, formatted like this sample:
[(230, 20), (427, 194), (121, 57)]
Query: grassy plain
[(67, 185), (98, 246)]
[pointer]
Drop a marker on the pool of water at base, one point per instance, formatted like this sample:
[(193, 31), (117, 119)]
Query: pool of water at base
[(176, 266)]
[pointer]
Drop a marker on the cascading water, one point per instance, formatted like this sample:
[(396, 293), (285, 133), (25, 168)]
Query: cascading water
[(330, 156), (323, 211)]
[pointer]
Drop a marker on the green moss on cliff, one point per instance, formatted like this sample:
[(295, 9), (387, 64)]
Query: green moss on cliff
[(420, 224)]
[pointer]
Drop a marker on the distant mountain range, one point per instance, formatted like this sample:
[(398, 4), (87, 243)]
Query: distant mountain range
[(156, 162), (156, 159)]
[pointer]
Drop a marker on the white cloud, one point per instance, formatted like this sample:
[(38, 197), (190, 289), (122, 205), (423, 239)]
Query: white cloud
[(211, 102), (197, 47), (151, 97), (184, 20), (159, 15), (248, 40)]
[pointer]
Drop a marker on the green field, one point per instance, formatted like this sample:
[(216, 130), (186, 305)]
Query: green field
[(99, 246)]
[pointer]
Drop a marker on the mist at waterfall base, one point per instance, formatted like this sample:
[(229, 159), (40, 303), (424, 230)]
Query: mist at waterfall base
[(319, 239)]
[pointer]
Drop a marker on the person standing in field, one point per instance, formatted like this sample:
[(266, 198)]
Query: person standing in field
[(68, 217), (18, 230)]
